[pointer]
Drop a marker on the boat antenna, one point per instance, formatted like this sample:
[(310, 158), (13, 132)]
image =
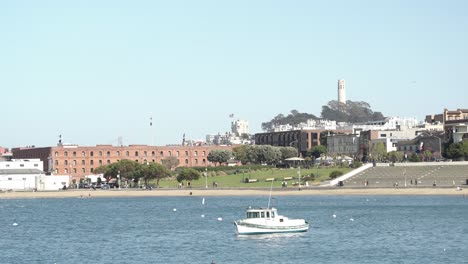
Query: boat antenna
[(269, 198)]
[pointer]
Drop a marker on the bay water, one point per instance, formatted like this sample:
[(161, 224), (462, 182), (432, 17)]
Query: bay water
[(343, 229)]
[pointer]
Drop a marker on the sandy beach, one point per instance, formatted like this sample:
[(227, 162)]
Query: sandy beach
[(232, 192)]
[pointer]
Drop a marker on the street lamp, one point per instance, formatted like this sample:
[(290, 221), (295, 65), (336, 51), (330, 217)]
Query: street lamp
[(299, 173), (206, 177), (404, 173), (118, 178)]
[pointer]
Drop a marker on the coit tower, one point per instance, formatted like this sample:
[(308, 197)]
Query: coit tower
[(341, 91)]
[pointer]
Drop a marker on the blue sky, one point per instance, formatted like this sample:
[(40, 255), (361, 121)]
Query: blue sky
[(96, 70)]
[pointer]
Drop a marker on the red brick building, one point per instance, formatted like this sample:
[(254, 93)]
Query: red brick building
[(79, 161)]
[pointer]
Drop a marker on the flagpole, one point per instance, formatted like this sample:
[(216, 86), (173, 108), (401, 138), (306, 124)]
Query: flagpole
[(152, 136)]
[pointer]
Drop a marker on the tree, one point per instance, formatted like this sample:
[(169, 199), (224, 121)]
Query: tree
[(317, 151), (294, 118), (379, 151), (427, 154), (188, 174), (395, 156), (351, 112), (240, 153), (414, 158), (288, 152), (219, 156), (170, 162), (266, 154), (245, 136), (155, 171)]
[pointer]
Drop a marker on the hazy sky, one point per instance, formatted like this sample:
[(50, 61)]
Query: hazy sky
[(96, 70)]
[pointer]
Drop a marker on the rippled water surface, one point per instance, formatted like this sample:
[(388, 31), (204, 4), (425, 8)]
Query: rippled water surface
[(371, 229)]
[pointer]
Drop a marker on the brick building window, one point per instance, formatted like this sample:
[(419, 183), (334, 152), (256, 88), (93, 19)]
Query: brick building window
[(83, 154), (136, 153), (74, 153), (91, 153), (65, 154), (74, 170), (170, 154), (161, 154), (56, 163), (74, 163), (153, 153), (177, 154), (118, 153), (65, 171), (92, 170), (100, 162), (203, 161), (127, 153), (186, 161), (83, 170), (56, 153), (100, 153), (195, 153), (65, 162), (196, 161), (83, 162), (108, 153), (145, 153), (203, 153), (108, 162), (91, 162), (186, 153)]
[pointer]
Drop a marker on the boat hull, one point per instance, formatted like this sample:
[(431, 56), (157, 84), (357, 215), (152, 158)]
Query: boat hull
[(255, 229)]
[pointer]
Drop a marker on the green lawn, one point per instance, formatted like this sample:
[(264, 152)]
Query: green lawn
[(236, 180)]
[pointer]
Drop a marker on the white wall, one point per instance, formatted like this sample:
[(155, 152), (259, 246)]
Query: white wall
[(22, 164), (52, 182), (18, 181)]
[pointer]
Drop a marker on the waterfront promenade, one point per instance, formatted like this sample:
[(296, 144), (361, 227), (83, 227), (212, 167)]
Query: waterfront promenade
[(86, 193)]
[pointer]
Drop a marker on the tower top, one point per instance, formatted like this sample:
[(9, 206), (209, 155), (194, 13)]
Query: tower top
[(341, 91)]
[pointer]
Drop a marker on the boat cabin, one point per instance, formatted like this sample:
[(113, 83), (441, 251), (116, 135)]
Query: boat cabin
[(261, 213)]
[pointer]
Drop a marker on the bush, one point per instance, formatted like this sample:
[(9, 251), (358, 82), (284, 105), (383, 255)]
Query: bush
[(356, 164), (335, 174)]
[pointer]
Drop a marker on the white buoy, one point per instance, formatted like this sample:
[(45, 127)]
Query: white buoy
[(351, 219), (203, 201), (220, 219), (15, 224), (203, 216), (334, 215), (174, 209)]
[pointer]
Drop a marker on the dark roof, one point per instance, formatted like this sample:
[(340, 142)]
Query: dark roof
[(20, 171)]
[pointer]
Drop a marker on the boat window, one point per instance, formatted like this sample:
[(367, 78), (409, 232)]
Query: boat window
[(255, 215), (268, 214), (262, 214), (272, 214)]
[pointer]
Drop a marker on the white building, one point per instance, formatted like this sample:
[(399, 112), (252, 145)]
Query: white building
[(240, 127), (389, 123), (27, 174)]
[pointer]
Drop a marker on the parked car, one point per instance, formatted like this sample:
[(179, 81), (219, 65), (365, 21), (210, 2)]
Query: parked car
[(105, 186)]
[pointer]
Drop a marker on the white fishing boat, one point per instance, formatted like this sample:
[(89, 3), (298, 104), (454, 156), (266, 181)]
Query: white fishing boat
[(267, 221)]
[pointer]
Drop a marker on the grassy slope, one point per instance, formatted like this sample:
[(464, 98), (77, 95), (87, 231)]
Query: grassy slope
[(235, 180)]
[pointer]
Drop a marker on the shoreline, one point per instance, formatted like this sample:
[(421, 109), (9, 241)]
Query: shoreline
[(86, 193)]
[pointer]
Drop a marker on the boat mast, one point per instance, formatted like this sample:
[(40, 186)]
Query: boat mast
[(269, 198)]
